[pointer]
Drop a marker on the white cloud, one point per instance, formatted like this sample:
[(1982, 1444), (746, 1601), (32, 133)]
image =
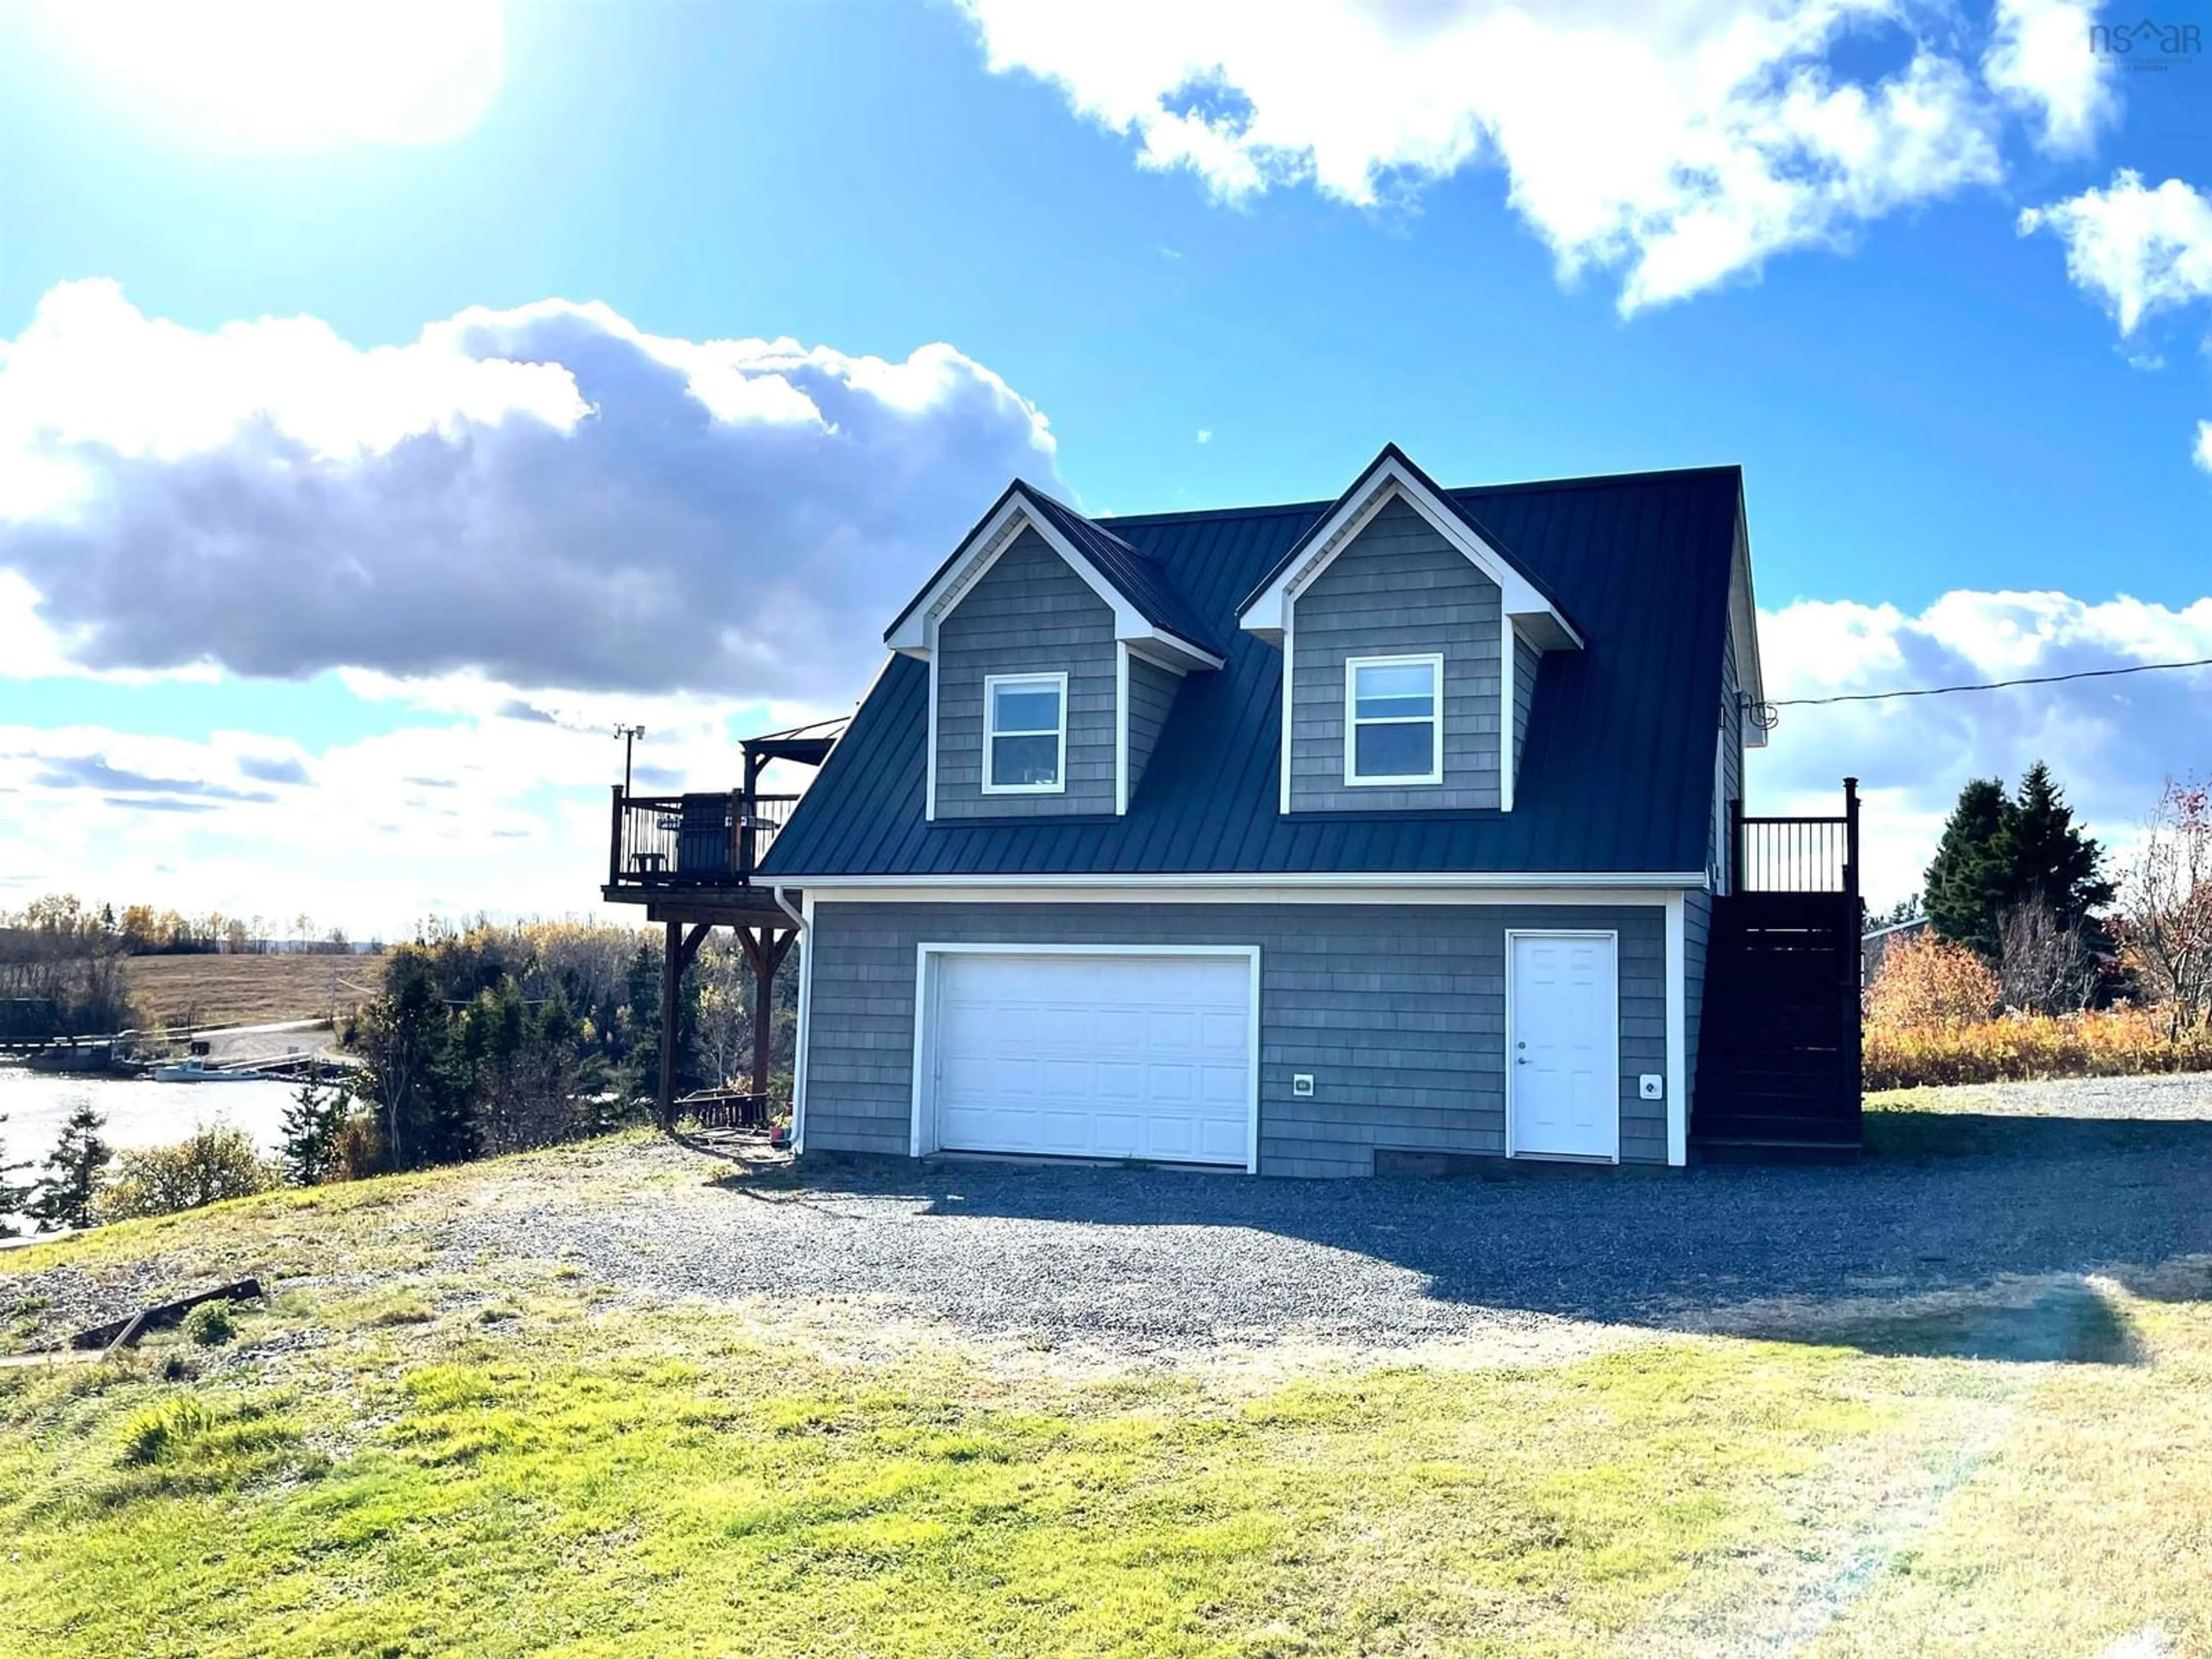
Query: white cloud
[(472, 810), (1679, 144), (2112, 742), (2138, 251), (285, 74), (1205, 435), (546, 496), (2041, 61)]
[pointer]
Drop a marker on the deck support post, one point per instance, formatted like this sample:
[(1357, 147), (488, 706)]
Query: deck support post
[(675, 954), (1855, 923), (765, 948), (670, 972)]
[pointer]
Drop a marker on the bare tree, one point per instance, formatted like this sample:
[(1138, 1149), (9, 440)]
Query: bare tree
[(2045, 965), (2165, 917)]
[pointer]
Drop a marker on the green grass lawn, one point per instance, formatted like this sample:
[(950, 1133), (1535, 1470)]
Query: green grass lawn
[(401, 1456)]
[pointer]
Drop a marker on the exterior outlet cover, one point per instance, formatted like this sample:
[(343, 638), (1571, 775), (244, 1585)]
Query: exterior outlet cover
[(1302, 1083), (1650, 1086)]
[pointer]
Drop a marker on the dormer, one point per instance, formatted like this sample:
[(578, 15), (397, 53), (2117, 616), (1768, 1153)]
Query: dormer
[(1411, 644), (1055, 650)]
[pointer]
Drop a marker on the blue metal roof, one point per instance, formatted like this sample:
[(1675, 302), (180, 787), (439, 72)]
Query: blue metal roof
[(1616, 771)]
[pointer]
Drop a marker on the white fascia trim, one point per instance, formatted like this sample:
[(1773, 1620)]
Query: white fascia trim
[(1290, 691), (929, 743), (1509, 749), (1268, 614), (1120, 727), (1250, 890), (922, 1127), (916, 634), (1743, 625), (1678, 1089)]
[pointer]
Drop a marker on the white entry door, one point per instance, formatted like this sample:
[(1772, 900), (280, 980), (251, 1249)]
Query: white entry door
[(1564, 1065), (1092, 1056)]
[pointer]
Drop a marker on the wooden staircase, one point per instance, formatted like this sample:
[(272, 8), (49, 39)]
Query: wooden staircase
[(1779, 1063)]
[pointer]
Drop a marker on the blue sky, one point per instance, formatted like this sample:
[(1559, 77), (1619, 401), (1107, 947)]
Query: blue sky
[(1928, 400)]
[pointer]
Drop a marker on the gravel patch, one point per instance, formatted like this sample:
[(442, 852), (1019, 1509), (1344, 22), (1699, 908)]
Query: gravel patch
[(2181, 1097), (1152, 1259)]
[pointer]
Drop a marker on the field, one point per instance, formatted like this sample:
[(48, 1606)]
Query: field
[(462, 1425), (246, 990)]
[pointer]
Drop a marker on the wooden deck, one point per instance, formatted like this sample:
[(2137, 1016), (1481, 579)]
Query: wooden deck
[(693, 861)]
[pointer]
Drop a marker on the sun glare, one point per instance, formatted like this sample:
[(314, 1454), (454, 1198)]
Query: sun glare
[(294, 72)]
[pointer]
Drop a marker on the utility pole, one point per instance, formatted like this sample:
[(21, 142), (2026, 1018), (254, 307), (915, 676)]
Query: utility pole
[(630, 735)]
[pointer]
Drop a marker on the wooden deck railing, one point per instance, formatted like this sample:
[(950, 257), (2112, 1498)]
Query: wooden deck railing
[(667, 841)]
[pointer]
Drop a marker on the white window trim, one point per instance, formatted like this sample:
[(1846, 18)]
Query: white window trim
[(921, 1126), (1434, 662), (1059, 786), (1612, 936)]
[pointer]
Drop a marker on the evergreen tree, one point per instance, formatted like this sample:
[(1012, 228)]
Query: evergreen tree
[(1968, 882), (73, 1172), (13, 1199), (2047, 859), (2000, 853), (308, 1144)]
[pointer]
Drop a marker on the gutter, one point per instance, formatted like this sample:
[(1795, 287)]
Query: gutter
[(799, 1045)]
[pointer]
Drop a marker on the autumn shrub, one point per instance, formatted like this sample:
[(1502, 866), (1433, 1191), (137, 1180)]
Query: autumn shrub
[(1929, 983), (2118, 1042), (219, 1161)]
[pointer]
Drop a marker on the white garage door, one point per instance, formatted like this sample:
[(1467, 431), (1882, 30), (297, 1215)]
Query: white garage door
[(1093, 1057)]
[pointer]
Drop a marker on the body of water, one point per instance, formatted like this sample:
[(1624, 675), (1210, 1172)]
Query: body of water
[(139, 1112)]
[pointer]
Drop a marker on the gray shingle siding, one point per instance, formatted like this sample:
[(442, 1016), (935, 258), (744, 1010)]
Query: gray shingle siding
[(1152, 694), (1398, 1011), (1527, 660), (1397, 589), (1030, 614)]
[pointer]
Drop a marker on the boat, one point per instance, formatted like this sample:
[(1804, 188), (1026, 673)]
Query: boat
[(199, 1071)]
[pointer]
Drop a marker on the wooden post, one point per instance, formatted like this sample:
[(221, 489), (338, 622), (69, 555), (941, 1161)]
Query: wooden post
[(766, 952), (676, 953), (671, 973), (1736, 877), (1851, 846), (1854, 924), (615, 839), (749, 817), (763, 1012)]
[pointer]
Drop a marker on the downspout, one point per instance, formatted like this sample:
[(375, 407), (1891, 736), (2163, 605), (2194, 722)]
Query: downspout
[(798, 1044)]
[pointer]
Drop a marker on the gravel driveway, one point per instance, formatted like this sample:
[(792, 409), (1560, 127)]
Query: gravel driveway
[(1144, 1258)]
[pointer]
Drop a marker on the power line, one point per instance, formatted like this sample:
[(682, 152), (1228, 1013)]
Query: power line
[(1991, 685)]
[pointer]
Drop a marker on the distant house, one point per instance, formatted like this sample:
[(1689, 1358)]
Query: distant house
[(1312, 840)]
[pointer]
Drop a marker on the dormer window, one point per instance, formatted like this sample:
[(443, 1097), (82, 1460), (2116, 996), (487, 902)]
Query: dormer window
[(1394, 721), (1025, 745)]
